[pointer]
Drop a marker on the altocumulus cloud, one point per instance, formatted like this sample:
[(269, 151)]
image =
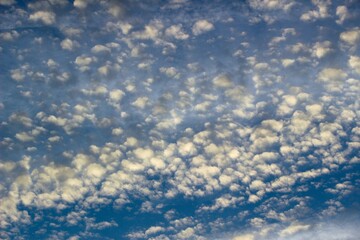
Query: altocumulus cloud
[(179, 119)]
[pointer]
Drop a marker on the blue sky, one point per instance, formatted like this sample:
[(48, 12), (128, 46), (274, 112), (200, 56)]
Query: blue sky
[(179, 119)]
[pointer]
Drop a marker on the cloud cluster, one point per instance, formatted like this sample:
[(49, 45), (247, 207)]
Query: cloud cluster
[(190, 123)]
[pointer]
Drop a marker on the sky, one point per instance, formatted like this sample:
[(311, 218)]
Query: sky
[(179, 119)]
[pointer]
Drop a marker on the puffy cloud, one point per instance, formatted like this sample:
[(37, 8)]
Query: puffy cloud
[(144, 154), (287, 62), (332, 75), (59, 121), (24, 137), (116, 95), (222, 81), (80, 161), (83, 60), (321, 12), (282, 182), (257, 185), (343, 13), (100, 49), (17, 75), (202, 26), (186, 233), (95, 171), (20, 118), (46, 17), (187, 148), (140, 102), (228, 124), (117, 131), (247, 236), (9, 36), (176, 32), (68, 44), (170, 71), (351, 37), (154, 229), (354, 63), (81, 3), (321, 49), (151, 31)]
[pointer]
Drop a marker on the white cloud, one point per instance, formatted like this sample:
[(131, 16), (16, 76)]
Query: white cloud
[(321, 49), (176, 32), (247, 236), (202, 26), (80, 161), (354, 63), (151, 31), (59, 121), (154, 229), (292, 229), (95, 171), (343, 14), (100, 49), (332, 75), (141, 102), (69, 44), (287, 62), (186, 233), (117, 131), (9, 36), (24, 137), (321, 12), (116, 95), (257, 185), (222, 81), (17, 75), (187, 149), (81, 3), (83, 60), (170, 71), (284, 5), (283, 181), (351, 37), (46, 17), (144, 154)]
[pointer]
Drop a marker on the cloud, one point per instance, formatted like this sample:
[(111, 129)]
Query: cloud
[(9, 36), (176, 32), (69, 44), (292, 229), (117, 111), (17, 75), (46, 17), (343, 14), (321, 49), (222, 81), (351, 37), (271, 4), (332, 75), (116, 95), (24, 137), (244, 237), (202, 26), (82, 4), (354, 63), (321, 12), (7, 2)]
